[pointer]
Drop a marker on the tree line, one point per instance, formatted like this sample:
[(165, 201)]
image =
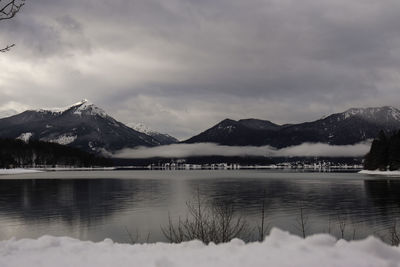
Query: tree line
[(17, 153), (384, 153)]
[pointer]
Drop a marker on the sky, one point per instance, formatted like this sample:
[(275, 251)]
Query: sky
[(181, 66)]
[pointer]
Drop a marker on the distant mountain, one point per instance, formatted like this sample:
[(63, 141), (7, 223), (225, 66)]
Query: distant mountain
[(82, 125), (239, 133), (352, 126), (164, 139)]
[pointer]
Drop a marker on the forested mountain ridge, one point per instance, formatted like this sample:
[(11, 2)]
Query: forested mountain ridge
[(347, 128)]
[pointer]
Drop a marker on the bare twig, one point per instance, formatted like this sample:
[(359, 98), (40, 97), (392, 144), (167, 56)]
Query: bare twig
[(302, 222), (342, 225), (8, 10), (132, 239), (262, 229), (216, 224), (329, 225), (7, 48), (394, 235)]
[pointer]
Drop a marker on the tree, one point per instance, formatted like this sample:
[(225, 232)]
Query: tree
[(8, 10), (208, 223), (377, 157)]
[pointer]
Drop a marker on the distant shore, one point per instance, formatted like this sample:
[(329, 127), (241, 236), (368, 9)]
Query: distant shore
[(383, 173), (38, 170)]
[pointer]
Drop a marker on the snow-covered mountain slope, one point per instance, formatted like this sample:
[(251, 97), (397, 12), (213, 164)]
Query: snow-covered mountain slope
[(82, 125), (352, 126), (164, 139)]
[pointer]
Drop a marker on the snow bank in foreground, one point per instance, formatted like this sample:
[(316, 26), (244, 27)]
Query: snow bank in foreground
[(279, 249), (385, 173), (17, 171)]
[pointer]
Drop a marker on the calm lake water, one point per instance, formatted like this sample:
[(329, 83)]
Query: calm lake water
[(94, 205)]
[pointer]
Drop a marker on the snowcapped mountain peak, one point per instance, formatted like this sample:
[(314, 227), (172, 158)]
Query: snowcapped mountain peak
[(83, 101), (386, 112), (83, 107), (62, 109), (88, 108), (141, 127), (164, 139)]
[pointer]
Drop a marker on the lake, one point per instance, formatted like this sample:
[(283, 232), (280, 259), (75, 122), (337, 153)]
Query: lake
[(94, 205)]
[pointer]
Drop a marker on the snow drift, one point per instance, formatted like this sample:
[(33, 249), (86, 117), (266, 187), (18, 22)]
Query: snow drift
[(278, 249)]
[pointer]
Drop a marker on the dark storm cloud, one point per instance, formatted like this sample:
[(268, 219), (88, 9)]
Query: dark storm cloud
[(180, 66)]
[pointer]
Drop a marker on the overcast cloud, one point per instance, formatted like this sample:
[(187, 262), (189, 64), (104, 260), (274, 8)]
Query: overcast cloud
[(210, 149), (181, 66)]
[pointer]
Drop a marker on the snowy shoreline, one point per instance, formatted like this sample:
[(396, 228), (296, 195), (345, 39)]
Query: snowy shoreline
[(381, 173), (278, 249), (40, 170), (18, 171)]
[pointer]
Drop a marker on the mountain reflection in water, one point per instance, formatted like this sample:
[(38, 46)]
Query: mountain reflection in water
[(95, 209)]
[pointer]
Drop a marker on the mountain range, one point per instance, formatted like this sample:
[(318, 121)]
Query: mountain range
[(350, 127), (82, 125), (85, 126)]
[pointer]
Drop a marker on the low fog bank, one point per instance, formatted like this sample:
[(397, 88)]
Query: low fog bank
[(211, 149)]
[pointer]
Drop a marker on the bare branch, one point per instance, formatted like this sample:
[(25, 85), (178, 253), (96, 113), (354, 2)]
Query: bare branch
[(302, 222), (216, 223), (8, 10), (262, 229), (7, 48), (342, 225)]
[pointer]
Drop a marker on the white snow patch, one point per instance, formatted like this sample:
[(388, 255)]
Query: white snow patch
[(25, 137), (383, 173), (278, 249), (64, 139), (17, 171), (228, 128), (394, 113)]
